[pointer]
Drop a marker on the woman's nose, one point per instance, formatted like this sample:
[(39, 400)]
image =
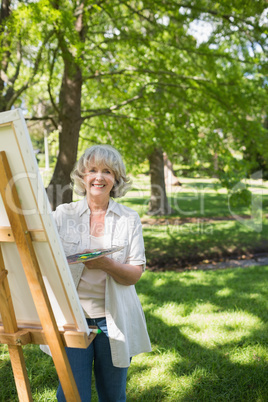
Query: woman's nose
[(99, 175)]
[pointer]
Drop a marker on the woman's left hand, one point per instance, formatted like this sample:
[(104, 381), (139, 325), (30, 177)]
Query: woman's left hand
[(97, 263), (125, 274)]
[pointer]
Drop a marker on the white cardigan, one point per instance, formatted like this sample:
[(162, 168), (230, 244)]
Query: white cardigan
[(124, 315)]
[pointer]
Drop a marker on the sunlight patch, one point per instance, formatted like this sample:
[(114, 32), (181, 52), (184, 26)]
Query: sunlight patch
[(224, 292), (220, 329)]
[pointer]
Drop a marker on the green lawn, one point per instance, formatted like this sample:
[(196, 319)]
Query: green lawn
[(200, 198), (209, 335)]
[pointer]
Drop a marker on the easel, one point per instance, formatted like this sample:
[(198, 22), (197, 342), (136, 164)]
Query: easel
[(49, 334)]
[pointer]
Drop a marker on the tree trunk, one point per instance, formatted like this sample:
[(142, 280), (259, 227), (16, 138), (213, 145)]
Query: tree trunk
[(158, 204), (59, 190), (170, 177), (215, 165), (70, 119)]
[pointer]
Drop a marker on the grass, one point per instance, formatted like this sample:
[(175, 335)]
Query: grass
[(41, 373), (209, 337), (197, 198)]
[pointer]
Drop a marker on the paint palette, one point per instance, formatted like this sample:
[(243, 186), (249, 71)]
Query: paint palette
[(92, 254)]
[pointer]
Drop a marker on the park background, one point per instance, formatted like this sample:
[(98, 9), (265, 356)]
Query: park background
[(180, 88)]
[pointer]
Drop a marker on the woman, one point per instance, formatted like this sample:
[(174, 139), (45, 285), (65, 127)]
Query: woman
[(106, 285)]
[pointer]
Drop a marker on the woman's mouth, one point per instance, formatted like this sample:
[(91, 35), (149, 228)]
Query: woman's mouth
[(98, 185)]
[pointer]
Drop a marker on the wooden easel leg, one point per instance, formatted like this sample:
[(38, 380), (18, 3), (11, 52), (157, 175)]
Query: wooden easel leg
[(10, 326), (20, 373)]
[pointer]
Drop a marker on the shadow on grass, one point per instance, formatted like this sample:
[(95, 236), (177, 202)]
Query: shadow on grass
[(41, 373), (214, 374), (8, 392), (154, 394)]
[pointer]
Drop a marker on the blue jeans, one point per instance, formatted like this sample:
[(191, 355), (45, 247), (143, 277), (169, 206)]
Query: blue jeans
[(110, 381)]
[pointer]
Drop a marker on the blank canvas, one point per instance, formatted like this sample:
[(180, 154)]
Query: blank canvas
[(16, 142)]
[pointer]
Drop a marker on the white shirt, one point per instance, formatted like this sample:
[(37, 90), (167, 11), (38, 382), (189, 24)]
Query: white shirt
[(124, 315), (91, 288)]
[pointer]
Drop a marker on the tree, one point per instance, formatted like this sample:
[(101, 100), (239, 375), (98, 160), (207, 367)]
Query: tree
[(203, 95), (170, 176), (135, 74), (22, 40), (68, 108), (158, 204)]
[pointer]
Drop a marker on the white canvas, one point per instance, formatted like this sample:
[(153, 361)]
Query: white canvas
[(15, 141)]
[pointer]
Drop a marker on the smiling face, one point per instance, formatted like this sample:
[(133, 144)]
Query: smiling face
[(99, 181)]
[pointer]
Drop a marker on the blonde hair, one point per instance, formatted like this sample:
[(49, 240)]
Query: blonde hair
[(108, 156)]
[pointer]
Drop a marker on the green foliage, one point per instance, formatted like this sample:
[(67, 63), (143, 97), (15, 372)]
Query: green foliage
[(196, 98), (23, 35)]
